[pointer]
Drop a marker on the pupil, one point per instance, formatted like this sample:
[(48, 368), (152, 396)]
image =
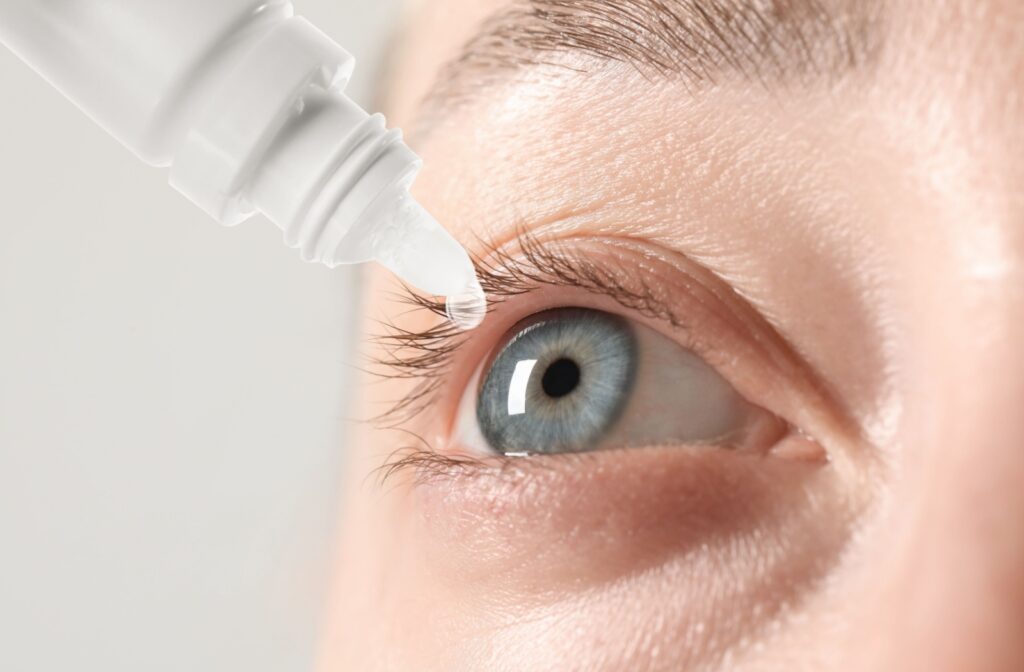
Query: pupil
[(561, 378)]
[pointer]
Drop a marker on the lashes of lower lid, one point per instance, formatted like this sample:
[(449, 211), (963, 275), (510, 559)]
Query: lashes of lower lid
[(429, 466), (425, 356)]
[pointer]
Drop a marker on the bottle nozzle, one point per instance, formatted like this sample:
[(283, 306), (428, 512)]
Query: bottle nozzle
[(411, 243)]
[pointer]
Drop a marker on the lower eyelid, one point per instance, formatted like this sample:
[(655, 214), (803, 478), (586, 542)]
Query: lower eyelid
[(667, 502)]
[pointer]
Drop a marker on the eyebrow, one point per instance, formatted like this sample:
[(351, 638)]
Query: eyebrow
[(696, 42)]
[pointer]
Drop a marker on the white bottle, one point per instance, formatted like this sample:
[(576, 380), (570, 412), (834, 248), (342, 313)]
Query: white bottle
[(245, 103)]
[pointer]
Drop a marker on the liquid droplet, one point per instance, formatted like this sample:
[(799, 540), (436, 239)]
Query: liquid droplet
[(467, 310)]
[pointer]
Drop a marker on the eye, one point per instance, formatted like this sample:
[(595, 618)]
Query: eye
[(574, 380)]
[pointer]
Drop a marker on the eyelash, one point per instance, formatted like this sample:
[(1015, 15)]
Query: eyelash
[(426, 356), (429, 465)]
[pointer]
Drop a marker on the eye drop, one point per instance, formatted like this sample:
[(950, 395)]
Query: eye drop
[(245, 103)]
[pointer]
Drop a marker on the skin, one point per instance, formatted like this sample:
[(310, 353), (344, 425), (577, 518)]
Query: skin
[(872, 232)]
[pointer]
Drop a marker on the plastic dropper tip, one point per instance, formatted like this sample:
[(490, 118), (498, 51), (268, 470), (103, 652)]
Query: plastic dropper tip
[(467, 310), (418, 250)]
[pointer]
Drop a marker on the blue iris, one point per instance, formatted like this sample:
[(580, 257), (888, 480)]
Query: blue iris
[(559, 384)]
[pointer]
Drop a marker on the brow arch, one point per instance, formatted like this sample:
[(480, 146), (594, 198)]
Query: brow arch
[(698, 42)]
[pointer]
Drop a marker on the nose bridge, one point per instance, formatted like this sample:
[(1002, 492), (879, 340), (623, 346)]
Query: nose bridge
[(952, 584)]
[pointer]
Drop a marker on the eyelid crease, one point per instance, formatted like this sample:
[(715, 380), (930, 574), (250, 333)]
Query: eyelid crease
[(504, 272)]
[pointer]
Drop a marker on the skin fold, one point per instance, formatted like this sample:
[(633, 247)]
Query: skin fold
[(847, 253)]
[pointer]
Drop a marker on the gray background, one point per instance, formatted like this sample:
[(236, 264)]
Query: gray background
[(171, 404)]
